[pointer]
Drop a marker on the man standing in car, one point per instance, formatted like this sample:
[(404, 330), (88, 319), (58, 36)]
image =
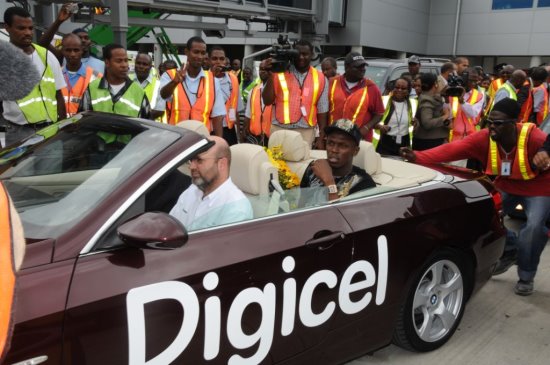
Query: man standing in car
[(505, 149), (299, 96)]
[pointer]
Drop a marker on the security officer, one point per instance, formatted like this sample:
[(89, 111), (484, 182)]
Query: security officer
[(44, 104), (115, 92)]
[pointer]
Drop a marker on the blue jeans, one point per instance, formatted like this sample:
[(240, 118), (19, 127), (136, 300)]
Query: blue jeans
[(533, 234)]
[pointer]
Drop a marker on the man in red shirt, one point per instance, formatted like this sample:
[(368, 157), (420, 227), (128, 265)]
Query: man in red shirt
[(353, 96), (506, 149)]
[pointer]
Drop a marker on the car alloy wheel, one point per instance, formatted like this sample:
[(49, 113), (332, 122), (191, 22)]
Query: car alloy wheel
[(435, 303)]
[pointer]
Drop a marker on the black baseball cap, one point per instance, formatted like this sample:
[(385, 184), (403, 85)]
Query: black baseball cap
[(345, 126), (355, 58)]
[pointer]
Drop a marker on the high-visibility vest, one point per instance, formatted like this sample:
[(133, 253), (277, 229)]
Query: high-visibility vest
[(521, 166), (412, 106), (180, 107), (152, 91), (511, 94), (462, 124), (527, 107), (260, 119), (73, 95), (41, 104), (129, 104), (7, 272), (495, 85), (245, 92), (543, 110), (232, 102), (291, 97), (353, 106)]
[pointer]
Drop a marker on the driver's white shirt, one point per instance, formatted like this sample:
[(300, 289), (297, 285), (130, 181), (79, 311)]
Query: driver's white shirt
[(227, 204)]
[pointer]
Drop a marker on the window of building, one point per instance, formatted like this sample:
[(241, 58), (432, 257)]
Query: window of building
[(543, 3), (300, 4), (512, 4)]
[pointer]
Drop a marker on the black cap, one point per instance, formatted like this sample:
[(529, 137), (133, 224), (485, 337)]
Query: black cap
[(345, 126), (355, 58), (508, 106)]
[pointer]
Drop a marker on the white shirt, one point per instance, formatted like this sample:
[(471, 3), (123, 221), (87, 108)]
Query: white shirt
[(399, 121), (227, 204), (12, 112)]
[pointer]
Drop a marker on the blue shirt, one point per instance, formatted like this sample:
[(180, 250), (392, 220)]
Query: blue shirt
[(72, 77)]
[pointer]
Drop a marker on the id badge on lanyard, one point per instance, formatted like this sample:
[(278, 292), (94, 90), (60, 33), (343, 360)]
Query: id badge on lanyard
[(505, 168)]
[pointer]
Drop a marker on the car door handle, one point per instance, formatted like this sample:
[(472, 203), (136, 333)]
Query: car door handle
[(325, 237)]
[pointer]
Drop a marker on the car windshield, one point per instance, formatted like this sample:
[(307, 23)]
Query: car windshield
[(377, 74), (60, 174)]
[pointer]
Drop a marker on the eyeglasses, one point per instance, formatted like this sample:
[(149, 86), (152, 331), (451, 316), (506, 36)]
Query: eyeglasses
[(200, 160), (500, 122)]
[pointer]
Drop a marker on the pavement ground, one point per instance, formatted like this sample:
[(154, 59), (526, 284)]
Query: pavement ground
[(498, 327)]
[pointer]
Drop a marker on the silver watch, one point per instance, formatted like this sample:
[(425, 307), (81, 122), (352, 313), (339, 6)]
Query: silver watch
[(332, 189)]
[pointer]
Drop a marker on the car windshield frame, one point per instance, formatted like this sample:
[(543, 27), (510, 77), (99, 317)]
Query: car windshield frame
[(52, 192)]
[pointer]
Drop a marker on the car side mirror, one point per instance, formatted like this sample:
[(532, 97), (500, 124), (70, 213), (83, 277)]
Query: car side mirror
[(153, 230)]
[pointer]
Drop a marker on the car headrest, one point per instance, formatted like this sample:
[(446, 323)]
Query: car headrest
[(368, 159), (195, 126), (293, 146), (251, 169)]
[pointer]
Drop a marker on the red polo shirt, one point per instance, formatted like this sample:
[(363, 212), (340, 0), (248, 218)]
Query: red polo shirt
[(477, 146)]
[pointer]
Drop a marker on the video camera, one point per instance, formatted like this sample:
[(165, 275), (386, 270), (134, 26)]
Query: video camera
[(457, 84), (282, 53)]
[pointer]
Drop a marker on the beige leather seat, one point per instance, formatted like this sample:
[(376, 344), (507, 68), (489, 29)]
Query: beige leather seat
[(296, 151), (195, 126)]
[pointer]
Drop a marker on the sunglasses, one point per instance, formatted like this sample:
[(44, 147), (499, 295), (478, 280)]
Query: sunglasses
[(500, 122)]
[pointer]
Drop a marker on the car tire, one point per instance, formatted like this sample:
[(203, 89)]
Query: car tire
[(435, 303)]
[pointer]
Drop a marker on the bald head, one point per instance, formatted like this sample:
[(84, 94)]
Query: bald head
[(518, 78), (221, 148)]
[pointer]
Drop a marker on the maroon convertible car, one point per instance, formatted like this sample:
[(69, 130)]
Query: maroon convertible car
[(110, 278)]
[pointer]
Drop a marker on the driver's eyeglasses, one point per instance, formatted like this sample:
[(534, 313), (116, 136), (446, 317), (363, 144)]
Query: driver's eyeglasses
[(200, 160), (500, 122)]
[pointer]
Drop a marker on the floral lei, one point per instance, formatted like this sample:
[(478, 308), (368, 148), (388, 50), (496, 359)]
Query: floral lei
[(287, 178)]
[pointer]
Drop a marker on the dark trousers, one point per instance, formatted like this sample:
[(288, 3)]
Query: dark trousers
[(387, 145), (230, 135), (420, 144)]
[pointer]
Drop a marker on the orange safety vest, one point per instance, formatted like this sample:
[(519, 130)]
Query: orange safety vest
[(7, 273), (260, 119), (353, 106), (527, 107), (543, 111), (291, 97), (462, 124), (521, 167), (73, 96), (232, 102), (493, 88), (180, 107)]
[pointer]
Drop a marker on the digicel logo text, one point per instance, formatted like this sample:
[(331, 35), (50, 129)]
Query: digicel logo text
[(137, 298)]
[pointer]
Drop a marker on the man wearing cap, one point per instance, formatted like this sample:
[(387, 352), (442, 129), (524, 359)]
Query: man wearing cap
[(505, 149), (354, 97), (414, 69), (337, 172), (299, 96)]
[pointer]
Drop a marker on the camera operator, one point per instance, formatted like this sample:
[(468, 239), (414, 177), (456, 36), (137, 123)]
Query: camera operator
[(466, 103), (299, 95), (229, 85)]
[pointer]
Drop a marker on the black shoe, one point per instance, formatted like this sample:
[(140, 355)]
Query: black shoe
[(524, 288), (506, 261)]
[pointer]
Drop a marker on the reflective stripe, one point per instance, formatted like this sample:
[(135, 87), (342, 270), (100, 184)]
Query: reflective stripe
[(522, 151), (36, 100), (361, 102), (175, 97), (454, 109), (7, 271), (101, 100), (332, 89), (129, 103), (206, 93), (493, 148), (315, 76), (284, 87)]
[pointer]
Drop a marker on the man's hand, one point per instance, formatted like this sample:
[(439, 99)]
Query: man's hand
[(407, 154), (323, 171), (542, 160), (180, 74), (64, 12), (383, 128)]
